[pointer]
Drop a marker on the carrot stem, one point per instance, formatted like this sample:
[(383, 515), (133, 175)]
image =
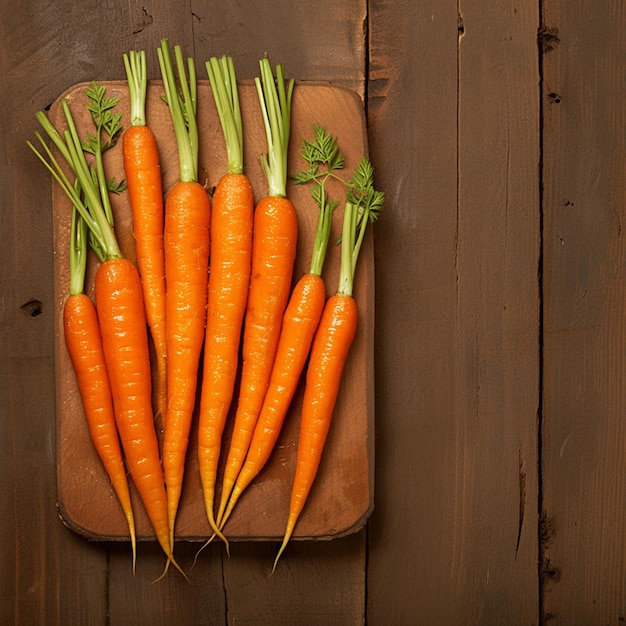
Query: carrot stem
[(182, 108), (363, 205), (275, 101), (136, 73), (224, 87)]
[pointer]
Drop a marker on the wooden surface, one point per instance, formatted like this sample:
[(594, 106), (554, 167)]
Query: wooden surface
[(343, 498), (584, 400), (497, 131)]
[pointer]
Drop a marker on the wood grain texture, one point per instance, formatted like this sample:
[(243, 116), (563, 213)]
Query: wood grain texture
[(173, 601), (460, 262), (451, 91), (333, 570), (584, 98)]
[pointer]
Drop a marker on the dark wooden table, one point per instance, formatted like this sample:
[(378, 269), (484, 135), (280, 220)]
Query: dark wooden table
[(496, 130)]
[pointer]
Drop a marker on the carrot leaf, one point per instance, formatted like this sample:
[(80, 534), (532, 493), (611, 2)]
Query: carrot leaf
[(108, 126), (321, 151), (275, 100), (323, 157), (105, 120)]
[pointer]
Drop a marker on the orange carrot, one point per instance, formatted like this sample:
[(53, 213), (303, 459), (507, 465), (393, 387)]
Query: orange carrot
[(119, 303), (274, 240), (187, 221), (142, 169), (299, 322), (84, 346), (331, 345), (229, 279)]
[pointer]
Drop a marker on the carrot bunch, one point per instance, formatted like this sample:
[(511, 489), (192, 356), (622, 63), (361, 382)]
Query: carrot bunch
[(331, 344), (213, 287), (84, 346), (230, 263), (274, 241), (119, 302), (300, 320)]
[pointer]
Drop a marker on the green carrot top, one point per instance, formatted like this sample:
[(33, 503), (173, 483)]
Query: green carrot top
[(182, 107), (135, 65), (224, 87), (363, 205), (89, 194), (323, 158), (275, 101)]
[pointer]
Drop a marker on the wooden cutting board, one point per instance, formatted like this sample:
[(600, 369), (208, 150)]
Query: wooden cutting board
[(342, 497)]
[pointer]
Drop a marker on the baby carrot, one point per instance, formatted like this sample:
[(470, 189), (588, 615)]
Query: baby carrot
[(186, 240), (300, 320), (331, 345), (275, 234), (84, 346), (229, 279), (142, 169), (119, 303)]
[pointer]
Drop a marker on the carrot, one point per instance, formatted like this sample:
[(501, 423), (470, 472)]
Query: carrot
[(274, 241), (186, 240), (300, 320), (119, 304), (229, 279), (331, 345), (142, 169), (84, 346), (123, 326)]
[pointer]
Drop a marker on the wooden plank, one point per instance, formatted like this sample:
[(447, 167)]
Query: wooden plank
[(172, 601), (584, 468), (335, 583), (497, 266), (453, 535), (42, 558), (326, 42)]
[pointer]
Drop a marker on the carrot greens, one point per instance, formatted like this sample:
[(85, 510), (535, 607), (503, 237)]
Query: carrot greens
[(223, 81), (363, 205), (323, 154), (275, 102), (90, 195), (136, 73), (183, 104)]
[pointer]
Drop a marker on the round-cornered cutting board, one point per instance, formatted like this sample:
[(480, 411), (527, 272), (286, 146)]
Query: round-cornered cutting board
[(342, 497)]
